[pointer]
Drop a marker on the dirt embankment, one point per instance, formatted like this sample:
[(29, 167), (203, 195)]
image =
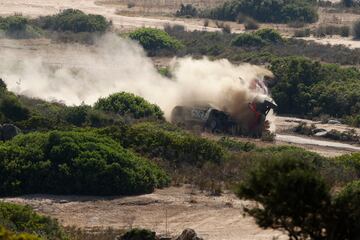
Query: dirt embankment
[(166, 211)]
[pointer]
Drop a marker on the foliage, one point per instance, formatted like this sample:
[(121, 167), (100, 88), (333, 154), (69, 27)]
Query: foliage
[(21, 219), (74, 163), (155, 40), (305, 87), (293, 196), (12, 109), (139, 234), (157, 140), (187, 10), (248, 40), (18, 27), (346, 205), (129, 104), (74, 21), (76, 115), (266, 11), (269, 35), (258, 38), (7, 235)]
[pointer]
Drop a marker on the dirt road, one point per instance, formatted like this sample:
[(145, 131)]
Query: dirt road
[(169, 210)]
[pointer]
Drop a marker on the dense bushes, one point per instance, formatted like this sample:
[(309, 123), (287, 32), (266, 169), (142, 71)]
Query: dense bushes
[(167, 142), (21, 219), (18, 27), (154, 40), (258, 38), (266, 11), (74, 163), (73, 20), (129, 104), (305, 87)]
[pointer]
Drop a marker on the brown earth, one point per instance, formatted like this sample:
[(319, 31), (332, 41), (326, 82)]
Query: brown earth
[(166, 211)]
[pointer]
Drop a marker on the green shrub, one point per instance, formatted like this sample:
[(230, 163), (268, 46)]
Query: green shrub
[(269, 35), (139, 234), (347, 212), (74, 163), (7, 235), (19, 27), (76, 115), (21, 219), (129, 104), (155, 39), (74, 21), (12, 109), (265, 11), (292, 195), (248, 40), (165, 141)]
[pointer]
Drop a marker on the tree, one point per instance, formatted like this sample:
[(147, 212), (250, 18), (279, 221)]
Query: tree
[(292, 195)]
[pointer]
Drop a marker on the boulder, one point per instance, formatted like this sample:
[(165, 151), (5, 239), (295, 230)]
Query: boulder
[(8, 131), (188, 234)]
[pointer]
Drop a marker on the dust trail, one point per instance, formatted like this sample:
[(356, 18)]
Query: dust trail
[(77, 74)]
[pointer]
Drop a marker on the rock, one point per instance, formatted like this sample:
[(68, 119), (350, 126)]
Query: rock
[(8, 131), (334, 121), (320, 134), (188, 234)]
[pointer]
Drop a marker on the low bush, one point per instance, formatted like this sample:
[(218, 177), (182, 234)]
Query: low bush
[(18, 27), (74, 21), (22, 219), (155, 39), (248, 40), (129, 104), (12, 109), (74, 163), (269, 35), (302, 33)]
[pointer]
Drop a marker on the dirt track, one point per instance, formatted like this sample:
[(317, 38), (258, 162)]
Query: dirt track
[(214, 218)]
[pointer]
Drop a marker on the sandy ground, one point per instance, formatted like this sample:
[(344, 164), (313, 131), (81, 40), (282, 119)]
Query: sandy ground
[(165, 211)]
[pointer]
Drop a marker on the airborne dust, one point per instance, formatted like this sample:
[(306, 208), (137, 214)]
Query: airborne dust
[(74, 76)]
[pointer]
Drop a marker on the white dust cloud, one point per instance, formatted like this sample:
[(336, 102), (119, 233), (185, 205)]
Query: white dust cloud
[(75, 74)]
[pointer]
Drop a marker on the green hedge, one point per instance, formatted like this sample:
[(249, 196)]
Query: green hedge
[(74, 163)]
